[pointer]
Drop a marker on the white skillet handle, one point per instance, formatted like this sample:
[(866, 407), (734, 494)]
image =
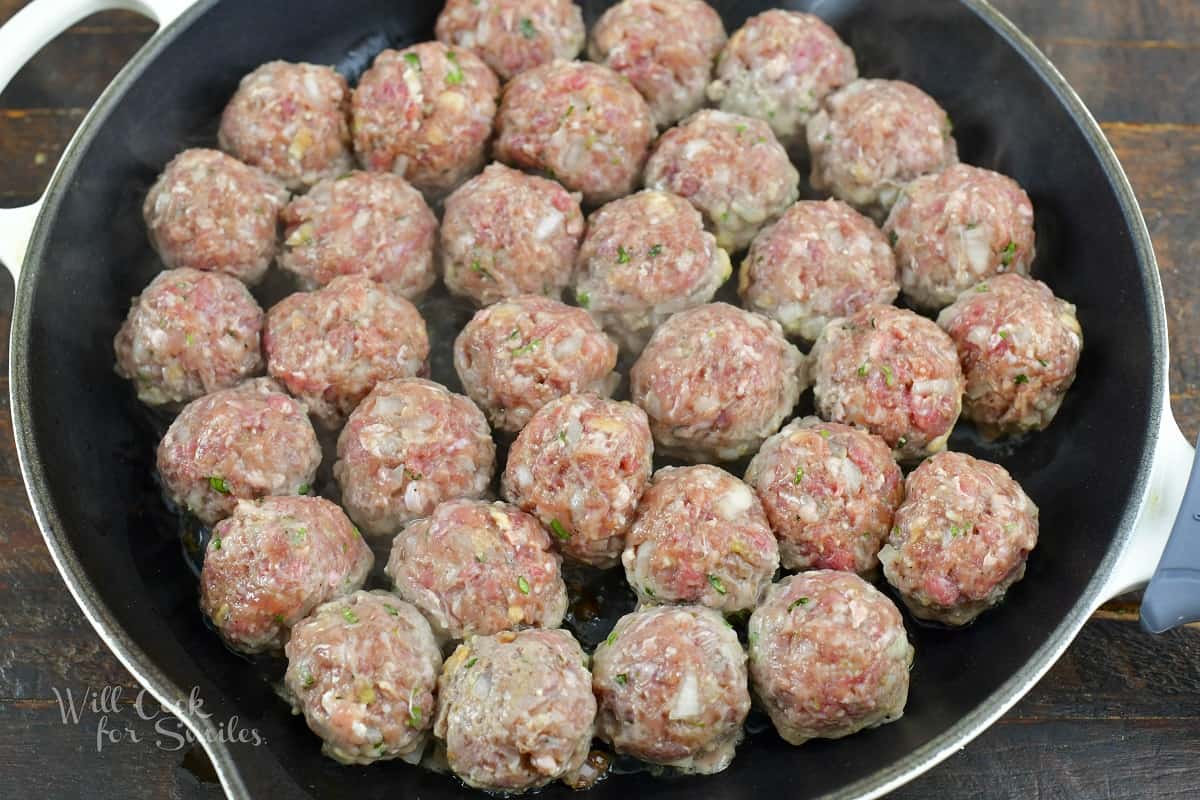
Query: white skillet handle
[(29, 30)]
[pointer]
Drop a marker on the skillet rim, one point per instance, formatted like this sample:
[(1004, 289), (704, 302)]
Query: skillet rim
[(918, 761)]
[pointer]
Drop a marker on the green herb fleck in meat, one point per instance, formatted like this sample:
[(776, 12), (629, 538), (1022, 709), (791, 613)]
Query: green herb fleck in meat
[(621, 679), (655, 251), (527, 29), (216, 543), (888, 377), (559, 531), (349, 615), (583, 299), (1008, 252), (1021, 378), (622, 254), (413, 60), (717, 584), (455, 75), (526, 349), (218, 484), (799, 601), (799, 476), (523, 585)]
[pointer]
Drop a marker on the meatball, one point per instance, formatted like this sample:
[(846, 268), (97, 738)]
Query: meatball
[(671, 683), (665, 48), (716, 381), (410, 445), (516, 710), (779, 67), (290, 121), (518, 355), (363, 670), (580, 466), (873, 137), (644, 258), (829, 492), (956, 228), (478, 568), (1019, 346), (242, 443), (331, 346), (700, 538), (820, 261), (189, 333), (362, 223), (731, 168), (829, 656), (512, 36), (506, 233), (426, 113), (892, 372), (580, 123), (209, 211), (275, 560), (961, 538)]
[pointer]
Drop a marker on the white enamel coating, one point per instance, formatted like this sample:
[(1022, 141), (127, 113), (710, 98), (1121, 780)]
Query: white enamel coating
[(29, 30)]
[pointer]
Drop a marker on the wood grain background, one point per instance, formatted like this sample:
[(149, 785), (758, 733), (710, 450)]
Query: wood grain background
[(1118, 717)]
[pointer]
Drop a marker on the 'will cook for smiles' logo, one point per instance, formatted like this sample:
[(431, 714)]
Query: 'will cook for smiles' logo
[(143, 719)]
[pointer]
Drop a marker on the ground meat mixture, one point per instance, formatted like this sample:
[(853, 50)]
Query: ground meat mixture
[(829, 656), (892, 372), (506, 234), (361, 223), (331, 346), (478, 568), (731, 168), (426, 113), (580, 466), (1019, 346), (410, 445), (665, 48), (275, 560), (242, 443), (290, 121), (779, 67), (671, 684), (209, 211), (512, 36), (518, 355), (716, 381), (646, 257), (579, 123), (516, 710), (960, 539), (189, 333), (700, 538), (830, 492)]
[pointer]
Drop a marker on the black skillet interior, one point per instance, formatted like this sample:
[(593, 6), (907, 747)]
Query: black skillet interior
[(97, 448)]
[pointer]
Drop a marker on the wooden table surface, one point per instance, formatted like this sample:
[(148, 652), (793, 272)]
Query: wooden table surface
[(1117, 717)]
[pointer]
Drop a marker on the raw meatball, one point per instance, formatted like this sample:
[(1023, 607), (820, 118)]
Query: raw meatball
[(1019, 346), (332, 345), (829, 656), (956, 228), (700, 538), (518, 355), (425, 112), (290, 120), (646, 257), (410, 445), (960, 540), (512, 36), (209, 211), (516, 710), (892, 372), (580, 466), (731, 168), (665, 48), (716, 381), (873, 137), (238, 444), (580, 123), (363, 670), (506, 233), (779, 67), (273, 562), (820, 261), (188, 334), (362, 223), (829, 491), (479, 568), (671, 682)]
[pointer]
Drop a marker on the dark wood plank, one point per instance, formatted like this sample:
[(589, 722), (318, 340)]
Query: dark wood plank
[(72, 70), (1107, 20)]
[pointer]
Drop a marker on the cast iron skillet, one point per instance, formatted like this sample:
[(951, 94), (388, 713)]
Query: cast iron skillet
[(1108, 475)]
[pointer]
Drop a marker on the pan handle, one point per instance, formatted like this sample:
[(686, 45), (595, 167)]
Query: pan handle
[(27, 32)]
